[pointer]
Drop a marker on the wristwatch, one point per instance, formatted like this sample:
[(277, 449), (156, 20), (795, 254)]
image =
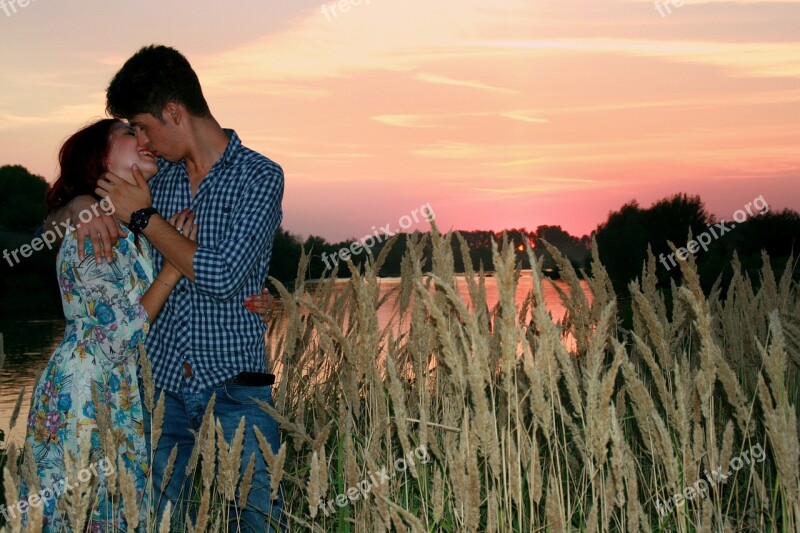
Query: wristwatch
[(140, 218)]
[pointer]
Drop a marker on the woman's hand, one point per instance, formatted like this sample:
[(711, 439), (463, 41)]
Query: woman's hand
[(262, 304)]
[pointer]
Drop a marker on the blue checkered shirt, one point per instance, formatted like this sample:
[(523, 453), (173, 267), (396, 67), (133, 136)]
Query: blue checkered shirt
[(238, 209)]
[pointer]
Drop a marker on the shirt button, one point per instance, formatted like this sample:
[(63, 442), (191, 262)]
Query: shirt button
[(183, 289)]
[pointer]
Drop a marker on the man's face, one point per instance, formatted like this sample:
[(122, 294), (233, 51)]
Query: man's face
[(158, 137)]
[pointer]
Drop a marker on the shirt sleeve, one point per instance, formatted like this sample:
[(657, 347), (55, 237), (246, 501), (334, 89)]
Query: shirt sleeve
[(115, 319), (221, 270)]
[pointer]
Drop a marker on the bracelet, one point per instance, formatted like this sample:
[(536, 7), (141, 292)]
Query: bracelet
[(165, 283)]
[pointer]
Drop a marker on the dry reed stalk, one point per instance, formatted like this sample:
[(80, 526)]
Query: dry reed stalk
[(12, 461), (275, 461), (230, 459), (15, 412), (168, 469), (163, 527), (147, 379), (130, 506), (157, 421), (201, 524), (780, 418), (12, 495), (247, 481), (313, 485)]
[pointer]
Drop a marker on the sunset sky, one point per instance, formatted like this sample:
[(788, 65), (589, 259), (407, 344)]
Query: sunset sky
[(497, 113)]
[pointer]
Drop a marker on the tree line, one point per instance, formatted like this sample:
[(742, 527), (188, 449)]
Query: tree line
[(623, 240)]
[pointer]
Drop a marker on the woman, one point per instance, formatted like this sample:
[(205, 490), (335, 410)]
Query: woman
[(109, 308)]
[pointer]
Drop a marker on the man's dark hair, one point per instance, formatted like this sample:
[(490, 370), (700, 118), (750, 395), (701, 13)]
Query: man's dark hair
[(152, 77)]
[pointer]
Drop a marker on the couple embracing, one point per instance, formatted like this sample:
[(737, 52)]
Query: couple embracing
[(179, 267)]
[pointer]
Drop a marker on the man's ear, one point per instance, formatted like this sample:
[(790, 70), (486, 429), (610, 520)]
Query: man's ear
[(173, 112)]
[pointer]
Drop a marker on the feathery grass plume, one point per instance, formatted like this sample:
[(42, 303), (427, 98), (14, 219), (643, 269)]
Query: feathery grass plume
[(438, 494), (12, 462), (322, 436), (597, 408), (158, 421), (147, 379), (505, 324), (102, 418), (204, 428), (578, 322), (15, 412), (168, 469), (163, 527), (230, 459), (71, 505), (554, 507), (295, 429), (111, 458), (313, 485), (201, 524), (247, 481), (655, 321), (275, 461), (208, 451), (665, 396), (28, 470), (397, 395), (35, 518), (655, 435), (415, 526), (12, 495), (130, 506), (780, 419)]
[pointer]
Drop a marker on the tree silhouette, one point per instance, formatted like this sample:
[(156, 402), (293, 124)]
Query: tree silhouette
[(21, 198)]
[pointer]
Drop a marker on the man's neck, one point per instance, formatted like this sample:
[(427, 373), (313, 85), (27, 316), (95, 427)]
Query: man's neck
[(206, 148)]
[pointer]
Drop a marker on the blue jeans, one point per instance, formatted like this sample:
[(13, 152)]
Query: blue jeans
[(184, 412)]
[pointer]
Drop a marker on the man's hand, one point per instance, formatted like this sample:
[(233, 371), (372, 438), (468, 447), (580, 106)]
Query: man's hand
[(125, 198), (100, 226)]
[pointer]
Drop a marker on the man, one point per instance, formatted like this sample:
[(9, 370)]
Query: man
[(205, 342)]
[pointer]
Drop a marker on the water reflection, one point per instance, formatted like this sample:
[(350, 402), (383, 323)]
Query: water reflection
[(29, 344)]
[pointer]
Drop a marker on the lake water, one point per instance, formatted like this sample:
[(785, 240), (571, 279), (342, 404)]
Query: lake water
[(29, 344)]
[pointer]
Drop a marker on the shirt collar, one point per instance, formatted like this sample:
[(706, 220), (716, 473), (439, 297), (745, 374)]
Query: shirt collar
[(228, 158)]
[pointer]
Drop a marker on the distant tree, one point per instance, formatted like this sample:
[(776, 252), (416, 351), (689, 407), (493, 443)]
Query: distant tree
[(575, 249), (21, 198), (285, 257), (623, 239)]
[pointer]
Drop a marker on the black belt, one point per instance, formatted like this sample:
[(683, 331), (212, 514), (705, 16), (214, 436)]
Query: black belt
[(252, 379)]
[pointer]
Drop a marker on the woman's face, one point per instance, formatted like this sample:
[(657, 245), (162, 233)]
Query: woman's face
[(125, 152)]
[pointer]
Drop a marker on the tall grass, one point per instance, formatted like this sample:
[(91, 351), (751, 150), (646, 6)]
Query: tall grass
[(527, 424)]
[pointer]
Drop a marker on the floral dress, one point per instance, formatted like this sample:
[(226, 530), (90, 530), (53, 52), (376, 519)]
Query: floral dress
[(104, 324)]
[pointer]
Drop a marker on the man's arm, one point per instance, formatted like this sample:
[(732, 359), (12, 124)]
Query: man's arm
[(100, 225), (220, 269), (175, 248)]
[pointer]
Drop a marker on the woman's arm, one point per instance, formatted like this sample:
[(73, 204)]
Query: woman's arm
[(156, 296)]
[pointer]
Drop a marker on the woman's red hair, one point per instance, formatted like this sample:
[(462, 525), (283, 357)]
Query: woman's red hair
[(82, 160)]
